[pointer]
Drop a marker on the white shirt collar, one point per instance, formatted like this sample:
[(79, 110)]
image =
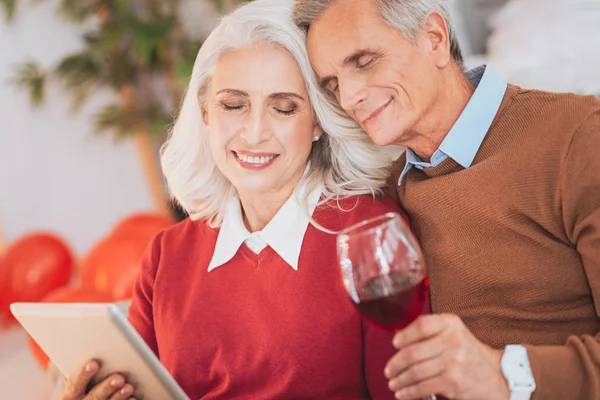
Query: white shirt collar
[(466, 136), (284, 234)]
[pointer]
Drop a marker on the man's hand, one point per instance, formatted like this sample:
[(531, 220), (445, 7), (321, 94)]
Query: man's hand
[(437, 354)]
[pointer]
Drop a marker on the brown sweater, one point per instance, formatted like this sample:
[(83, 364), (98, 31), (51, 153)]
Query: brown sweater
[(512, 244)]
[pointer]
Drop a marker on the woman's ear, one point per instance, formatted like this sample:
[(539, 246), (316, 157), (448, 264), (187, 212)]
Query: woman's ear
[(317, 132), (204, 115)]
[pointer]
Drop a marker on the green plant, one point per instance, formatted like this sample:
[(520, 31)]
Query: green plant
[(138, 49)]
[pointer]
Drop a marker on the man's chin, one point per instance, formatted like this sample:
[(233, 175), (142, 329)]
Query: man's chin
[(380, 137)]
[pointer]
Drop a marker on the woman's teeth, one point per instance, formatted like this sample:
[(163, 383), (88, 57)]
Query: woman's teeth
[(255, 160)]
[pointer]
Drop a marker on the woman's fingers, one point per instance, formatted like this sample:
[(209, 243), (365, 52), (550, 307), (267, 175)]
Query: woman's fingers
[(113, 387), (124, 394), (107, 388), (76, 384)]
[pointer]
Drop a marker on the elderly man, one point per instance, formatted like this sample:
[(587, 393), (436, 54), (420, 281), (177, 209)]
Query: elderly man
[(503, 187)]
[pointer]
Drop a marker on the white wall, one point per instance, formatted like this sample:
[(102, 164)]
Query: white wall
[(20, 377), (54, 173)]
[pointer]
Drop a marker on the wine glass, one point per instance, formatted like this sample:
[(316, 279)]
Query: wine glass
[(384, 272)]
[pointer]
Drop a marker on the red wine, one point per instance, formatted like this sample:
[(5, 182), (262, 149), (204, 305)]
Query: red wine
[(393, 301)]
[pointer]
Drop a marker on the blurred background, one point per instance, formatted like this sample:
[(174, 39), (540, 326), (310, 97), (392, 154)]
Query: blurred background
[(87, 89)]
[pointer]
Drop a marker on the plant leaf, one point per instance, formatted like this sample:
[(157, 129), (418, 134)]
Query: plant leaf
[(157, 123), (119, 70), (10, 7), (80, 10), (104, 40), (32, 78), (115, 119), (79, 69), (183, 72), (150, 37), (79, 73)]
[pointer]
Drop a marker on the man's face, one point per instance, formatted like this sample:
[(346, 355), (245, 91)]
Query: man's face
[(387, 83)]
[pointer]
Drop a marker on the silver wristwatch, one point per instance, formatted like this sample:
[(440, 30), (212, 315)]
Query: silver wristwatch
[(517, 372)]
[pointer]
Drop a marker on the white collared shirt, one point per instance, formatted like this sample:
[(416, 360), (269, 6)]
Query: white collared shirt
[(284, 233), (466, 136)]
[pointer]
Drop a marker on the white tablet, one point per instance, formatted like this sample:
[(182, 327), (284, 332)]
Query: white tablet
[(73, 333)]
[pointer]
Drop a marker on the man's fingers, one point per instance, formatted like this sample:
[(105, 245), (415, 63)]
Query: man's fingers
[(420, 390), (417, 373), (422, 328), (414, 354)]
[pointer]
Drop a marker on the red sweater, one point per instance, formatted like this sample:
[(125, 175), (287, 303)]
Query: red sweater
[(254, 328)]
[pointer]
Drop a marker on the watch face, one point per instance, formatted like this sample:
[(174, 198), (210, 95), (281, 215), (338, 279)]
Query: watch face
[(516, 369)]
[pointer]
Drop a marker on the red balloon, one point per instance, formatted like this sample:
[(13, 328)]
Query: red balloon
[(5, 321), (68, 294), (64, 295), (123, 289), (3, 283), (111, 264), (34, 266), (142, 225)]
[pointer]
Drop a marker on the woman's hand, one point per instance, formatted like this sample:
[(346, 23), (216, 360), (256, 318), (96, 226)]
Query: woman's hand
[(114, 387)]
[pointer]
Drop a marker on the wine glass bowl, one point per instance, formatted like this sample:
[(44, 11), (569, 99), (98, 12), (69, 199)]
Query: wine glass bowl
[(383, 271)]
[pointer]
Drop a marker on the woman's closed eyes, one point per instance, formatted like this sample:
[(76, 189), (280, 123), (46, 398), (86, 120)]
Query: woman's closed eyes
[(282, 107)]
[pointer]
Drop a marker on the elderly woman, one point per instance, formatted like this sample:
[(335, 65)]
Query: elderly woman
[(244, 299)]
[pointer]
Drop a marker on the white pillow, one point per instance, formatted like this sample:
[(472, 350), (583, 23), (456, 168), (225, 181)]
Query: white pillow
[(548, 44)]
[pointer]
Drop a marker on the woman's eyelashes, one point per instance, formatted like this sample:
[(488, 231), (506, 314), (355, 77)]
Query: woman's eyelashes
[(286, 109), (231, 106)]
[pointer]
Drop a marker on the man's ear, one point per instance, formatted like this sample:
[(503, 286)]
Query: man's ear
[(437, 39)]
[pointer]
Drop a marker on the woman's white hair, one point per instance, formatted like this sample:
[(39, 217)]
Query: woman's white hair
[(344, 161)]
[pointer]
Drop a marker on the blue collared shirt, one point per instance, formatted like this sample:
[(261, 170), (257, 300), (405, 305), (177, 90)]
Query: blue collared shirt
[(464, 139)]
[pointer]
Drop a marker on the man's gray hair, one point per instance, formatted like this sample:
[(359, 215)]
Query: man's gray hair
[(405, 15)]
